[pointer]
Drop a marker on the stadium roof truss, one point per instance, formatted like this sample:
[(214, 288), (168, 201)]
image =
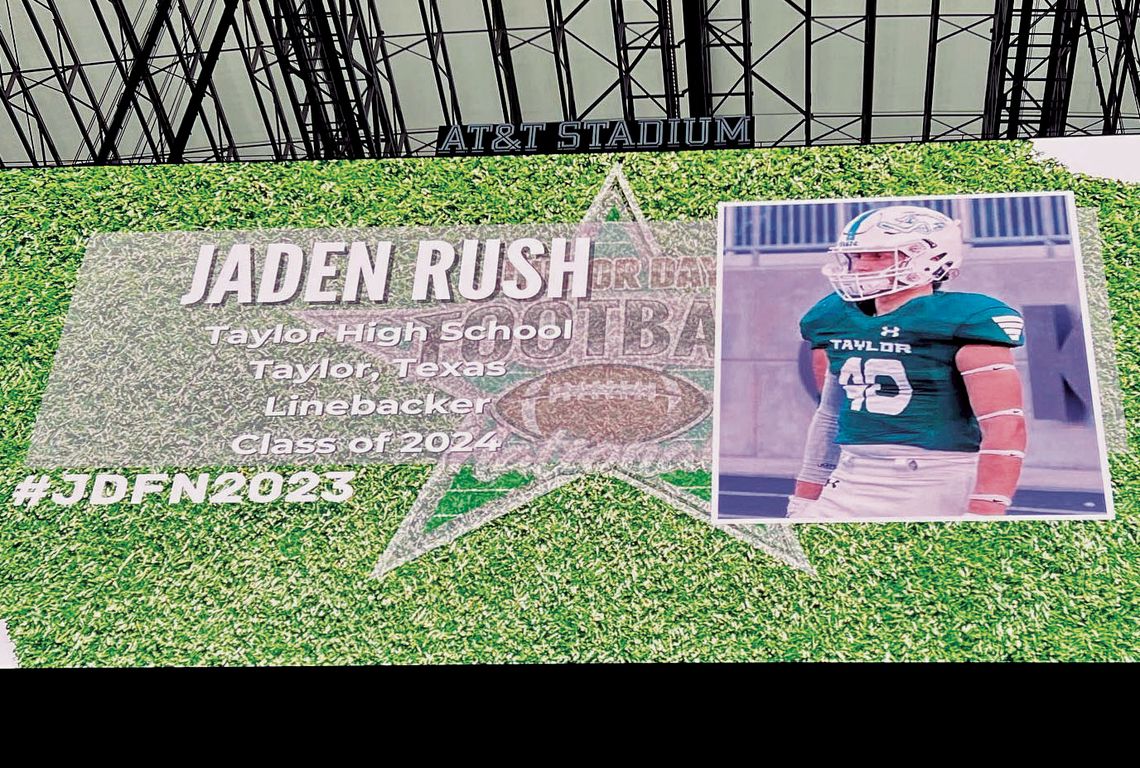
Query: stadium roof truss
[(139, 81)]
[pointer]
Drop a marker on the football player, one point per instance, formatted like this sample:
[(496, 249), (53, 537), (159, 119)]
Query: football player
[(920, 412)]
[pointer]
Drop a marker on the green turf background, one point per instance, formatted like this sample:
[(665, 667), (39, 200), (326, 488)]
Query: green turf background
[(596, 571)]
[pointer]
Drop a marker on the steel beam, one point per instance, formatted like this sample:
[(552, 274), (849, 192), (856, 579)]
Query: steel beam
[(694, 19), (869, 26), (354, 137), (621, 55), (502, 61), (59, 73), (994, 104), (16, 83), (666, 39), (807, 71), (263, 84), (139, 74), (1020, 64), (440, 62), (557, 20), (203, 82), (931, 62), (1124, 69), (1062, 59)]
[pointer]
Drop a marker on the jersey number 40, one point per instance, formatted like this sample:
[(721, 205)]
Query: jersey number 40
[(860, 379)]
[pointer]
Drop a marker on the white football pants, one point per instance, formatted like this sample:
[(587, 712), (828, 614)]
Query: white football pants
[(895, 482)]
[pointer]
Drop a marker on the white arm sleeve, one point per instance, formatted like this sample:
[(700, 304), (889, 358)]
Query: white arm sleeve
[(821, 454)]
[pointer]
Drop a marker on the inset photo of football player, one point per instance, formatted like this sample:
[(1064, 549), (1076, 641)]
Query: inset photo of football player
[(913, 359)]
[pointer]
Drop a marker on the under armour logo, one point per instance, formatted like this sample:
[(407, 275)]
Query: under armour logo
[(890, 330), (832, 483)]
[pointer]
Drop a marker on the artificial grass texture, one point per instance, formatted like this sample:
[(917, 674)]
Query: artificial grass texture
[(594, 571), (468, 493)]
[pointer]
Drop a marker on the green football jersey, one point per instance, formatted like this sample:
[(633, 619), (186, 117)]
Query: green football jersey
[(898, 369)]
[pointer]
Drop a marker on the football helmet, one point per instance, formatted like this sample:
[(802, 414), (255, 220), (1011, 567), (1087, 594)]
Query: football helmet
[(927, 248)]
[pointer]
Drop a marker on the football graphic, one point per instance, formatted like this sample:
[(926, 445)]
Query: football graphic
[(604, 403)]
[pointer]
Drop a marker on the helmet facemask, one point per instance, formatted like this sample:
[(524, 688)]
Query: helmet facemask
[(926, 246), (915, 264)]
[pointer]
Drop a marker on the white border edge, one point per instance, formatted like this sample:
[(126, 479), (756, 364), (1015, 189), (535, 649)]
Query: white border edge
[(1078, 259)]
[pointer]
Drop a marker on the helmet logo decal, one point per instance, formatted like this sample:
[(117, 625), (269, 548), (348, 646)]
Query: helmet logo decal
[(853, 227), (912, 222)]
